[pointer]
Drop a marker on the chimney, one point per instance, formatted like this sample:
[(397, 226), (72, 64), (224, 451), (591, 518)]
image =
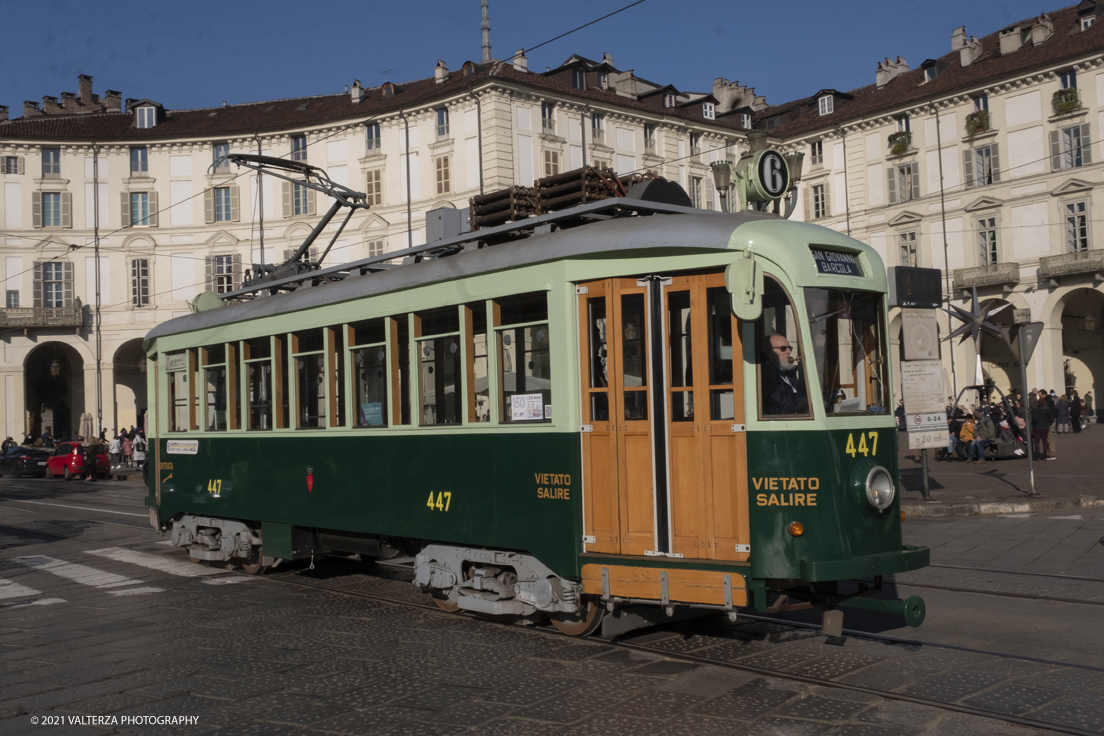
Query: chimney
[(958, 38), (1010, 40), (971, 52), (356, 94), (50, 105), (3, 113), (113, 100), (440, 72), (520, 62), (30, 109), (607, 59), (1042, 30), (889, 70), (69, 102), (85, 83)]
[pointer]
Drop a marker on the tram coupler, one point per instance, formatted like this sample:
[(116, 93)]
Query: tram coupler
[(912, 608)]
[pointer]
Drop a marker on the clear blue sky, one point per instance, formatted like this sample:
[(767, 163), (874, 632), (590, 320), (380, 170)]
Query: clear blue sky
[(199, 53)]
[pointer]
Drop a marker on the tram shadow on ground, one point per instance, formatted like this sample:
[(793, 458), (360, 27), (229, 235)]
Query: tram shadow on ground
[(40, 531)]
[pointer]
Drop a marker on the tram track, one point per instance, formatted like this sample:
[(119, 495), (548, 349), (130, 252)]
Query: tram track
[(295, 578)]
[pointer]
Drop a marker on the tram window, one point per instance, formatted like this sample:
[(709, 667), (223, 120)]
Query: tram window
[(782, 381), (479, 396), (681, 347), (369, 370), (179, 366), (522, 309), (849, 346), (400, 366), (598, 370), (368, 332), (308, 363), (214, 388), (257, 366), (335, 379), (634, 357), (439, 321), (439, 366), (526, 373), (721, 397)]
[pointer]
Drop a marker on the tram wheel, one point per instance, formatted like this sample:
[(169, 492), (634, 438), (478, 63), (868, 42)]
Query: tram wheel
[(579, 626), (444, 603), (196, 560), (255, 564)]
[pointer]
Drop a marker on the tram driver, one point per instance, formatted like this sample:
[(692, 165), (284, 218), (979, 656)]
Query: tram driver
[(783, 379)]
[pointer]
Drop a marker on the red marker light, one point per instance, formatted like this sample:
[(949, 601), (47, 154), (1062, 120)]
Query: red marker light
[(310, 480), (796, 529)]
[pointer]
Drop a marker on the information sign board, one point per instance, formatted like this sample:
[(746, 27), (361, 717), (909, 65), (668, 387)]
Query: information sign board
[(922, 384)]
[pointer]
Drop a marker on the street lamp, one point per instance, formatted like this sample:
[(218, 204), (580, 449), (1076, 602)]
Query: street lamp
[(722, 178), (55, 369)]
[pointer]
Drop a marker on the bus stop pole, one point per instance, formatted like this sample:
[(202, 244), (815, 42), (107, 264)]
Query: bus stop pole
[(1030, 430), (925, 492)]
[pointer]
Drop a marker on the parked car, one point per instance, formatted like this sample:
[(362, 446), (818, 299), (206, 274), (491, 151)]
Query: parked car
[(21, 461), (67, 460)]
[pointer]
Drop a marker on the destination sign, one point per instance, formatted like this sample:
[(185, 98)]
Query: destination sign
[(834, 263)]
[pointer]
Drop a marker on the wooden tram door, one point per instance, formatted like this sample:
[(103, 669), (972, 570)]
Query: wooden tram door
[(664, 469)]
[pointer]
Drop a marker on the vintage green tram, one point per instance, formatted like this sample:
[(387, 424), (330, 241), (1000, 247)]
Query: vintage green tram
[(623, 403)]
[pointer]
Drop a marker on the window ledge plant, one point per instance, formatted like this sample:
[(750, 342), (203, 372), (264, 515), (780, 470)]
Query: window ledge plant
[(899, 142), (1066, 100), (977, 122)]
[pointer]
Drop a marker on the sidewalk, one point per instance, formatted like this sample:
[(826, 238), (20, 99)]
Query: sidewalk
[(1074, 480)]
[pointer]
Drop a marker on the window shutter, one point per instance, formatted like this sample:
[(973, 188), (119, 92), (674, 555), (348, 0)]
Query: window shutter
[(66, 209), (209, 206), (209, 272), (37, 288), (1086, 145), (1055, 151), (287, 198), (808, 197), (234, 211), (153, 209), (914, 181), (891, 189), (310, 202), (36, 208), (994, 161), (67, 283), (20, 168), (968, 168), (237, 276), (125, 209), (827, 200)]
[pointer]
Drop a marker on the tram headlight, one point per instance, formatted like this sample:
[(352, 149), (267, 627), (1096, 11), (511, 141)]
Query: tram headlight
[(879, 488)]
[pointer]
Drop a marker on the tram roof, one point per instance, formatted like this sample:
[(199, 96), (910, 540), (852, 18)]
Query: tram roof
[(682, 228)]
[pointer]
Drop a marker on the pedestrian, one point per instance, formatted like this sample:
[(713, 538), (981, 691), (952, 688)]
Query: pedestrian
[(139, 452), (984, 434), (116, 451), (128, 450), (91, 455), (899, 414), (966, 435), (1062, 415), (7, 443), (1075, 408), (1041, 419), (1089, 404)]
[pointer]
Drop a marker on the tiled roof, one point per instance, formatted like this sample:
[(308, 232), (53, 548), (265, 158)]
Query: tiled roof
[(908, 88), (302, 112)]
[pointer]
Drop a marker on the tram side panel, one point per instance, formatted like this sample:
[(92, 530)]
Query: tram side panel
[(517, 490)]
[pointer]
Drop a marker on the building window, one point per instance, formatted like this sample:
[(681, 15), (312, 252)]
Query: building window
[(441, 164), (220, 151), (374, 186), (147, 117), (1077, 226), (603, 80), (987, 241), (1069, 79), (13, 164), (745, 121), (982, 166), (442, 122), (375, 248), (51, 209), (51, 163), (981, 103), (139, 283), (668, 100), (222, 204), (649, 138), (139, 161), (301, 199), (903, 124), (53, 285), (299, 148), (578, 79), (904, 183), (820, 201), (598, 134), (12, 299), (139, 209), (222, 274), (373, 137), (827, 104), (696, 191), (551, 163), (908, 249), (930, 73), (709, 112), (548, 117), (695, 145), (816, 152), (1087, 22), (1070, 148)]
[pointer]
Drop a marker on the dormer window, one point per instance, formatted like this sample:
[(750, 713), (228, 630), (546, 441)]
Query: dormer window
[(745, 121), (668, 100), (708, 111), (578, 79), (388, 89), (929, 73), (603, 80), (1087, 21), (827, 104), (147, 117), (468, 69)]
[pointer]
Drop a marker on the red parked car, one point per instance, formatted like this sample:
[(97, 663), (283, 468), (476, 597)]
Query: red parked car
[(68, 461)]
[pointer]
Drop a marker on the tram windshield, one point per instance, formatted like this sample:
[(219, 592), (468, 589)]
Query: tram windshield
[(849, 347)]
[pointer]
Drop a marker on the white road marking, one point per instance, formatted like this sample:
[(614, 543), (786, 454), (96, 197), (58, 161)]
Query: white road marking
[(1015, 516), (229, 581), (1075, 517), (77, 573), (155, 562), (136, 591), (9, 589), (78, 508), (39, 602)]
